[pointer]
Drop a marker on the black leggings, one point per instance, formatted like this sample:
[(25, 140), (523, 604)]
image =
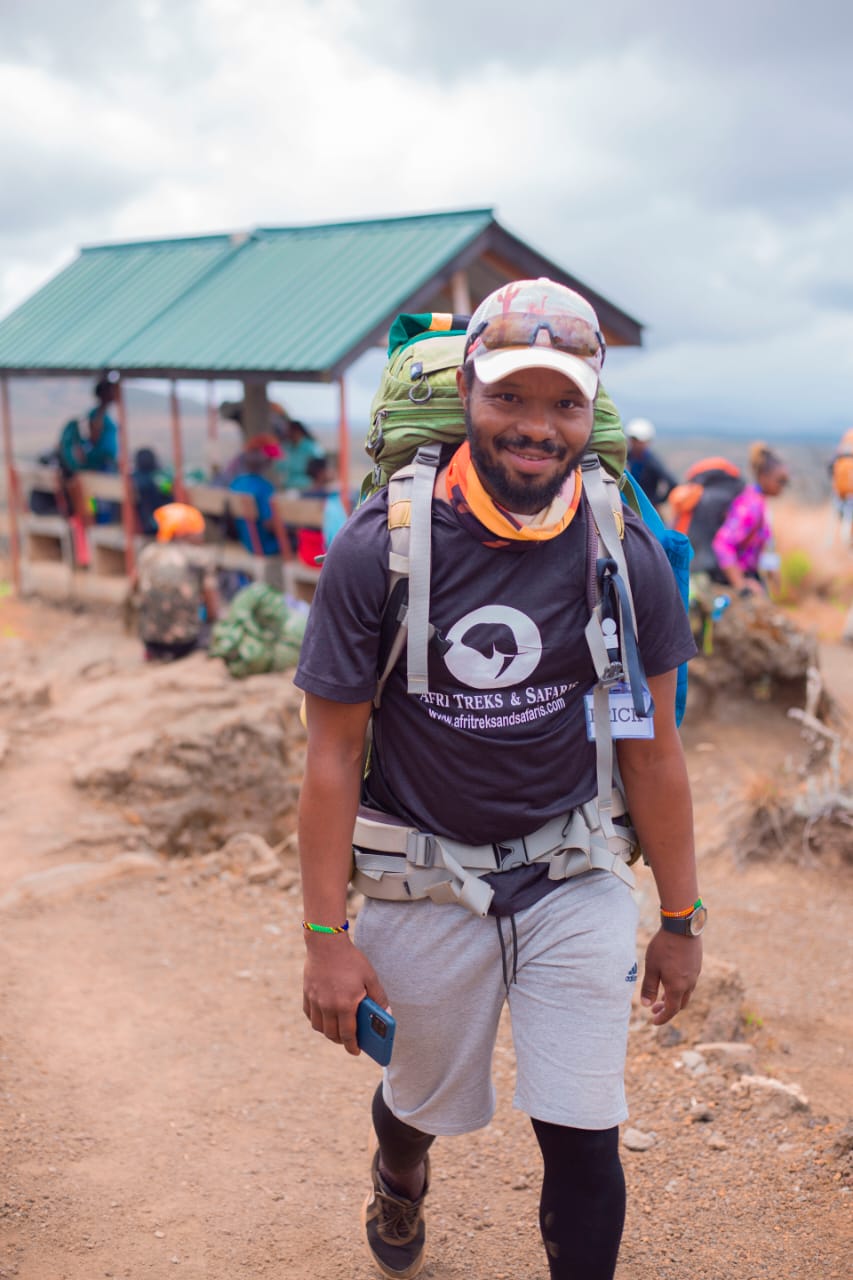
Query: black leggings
[(402, 1147), (582, 1208)]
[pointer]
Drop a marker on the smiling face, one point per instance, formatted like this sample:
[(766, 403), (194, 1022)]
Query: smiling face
[(527, 433)]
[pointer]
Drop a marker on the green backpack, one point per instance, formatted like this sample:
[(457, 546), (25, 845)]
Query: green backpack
[(415, 412), (417, 403)]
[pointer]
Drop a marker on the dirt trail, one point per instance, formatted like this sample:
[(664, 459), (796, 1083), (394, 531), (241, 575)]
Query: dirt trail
[(165, 1110)]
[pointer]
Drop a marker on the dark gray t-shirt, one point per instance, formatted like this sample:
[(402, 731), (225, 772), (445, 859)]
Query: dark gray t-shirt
[(498, 746)]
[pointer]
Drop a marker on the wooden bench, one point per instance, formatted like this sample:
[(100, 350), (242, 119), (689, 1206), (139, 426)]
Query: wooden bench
[(209, 499), (292, 513), (107, 542), (46, 538), (217, 504), (288, 513), (234, 555)]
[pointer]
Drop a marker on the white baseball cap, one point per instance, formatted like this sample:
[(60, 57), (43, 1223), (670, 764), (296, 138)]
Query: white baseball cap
[(640, 429), (536, 324)]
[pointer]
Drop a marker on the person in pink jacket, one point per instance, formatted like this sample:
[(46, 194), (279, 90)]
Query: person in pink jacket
[(745, 536)]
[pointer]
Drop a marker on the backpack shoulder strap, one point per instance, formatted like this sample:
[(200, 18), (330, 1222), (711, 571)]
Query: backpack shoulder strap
[(603, 495), (611, 632), (410, 493), (420, 567)]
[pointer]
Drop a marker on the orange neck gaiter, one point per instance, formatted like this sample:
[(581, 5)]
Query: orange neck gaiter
[(466, 494)]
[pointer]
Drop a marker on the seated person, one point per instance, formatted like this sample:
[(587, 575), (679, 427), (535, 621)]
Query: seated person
[(177, 599), (300, 448), (256, 536), (263, 443), (89, 443), (152, 488), (313, 543)]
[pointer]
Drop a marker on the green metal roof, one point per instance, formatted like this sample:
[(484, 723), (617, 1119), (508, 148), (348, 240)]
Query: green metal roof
[(298, 299), (77, 320), (280, 303)]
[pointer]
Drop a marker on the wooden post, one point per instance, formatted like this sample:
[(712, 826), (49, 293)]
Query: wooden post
[(11, 487), (343, 447), (460, 293), (178, 488), (256, 410), (213, 460), (128, 506)]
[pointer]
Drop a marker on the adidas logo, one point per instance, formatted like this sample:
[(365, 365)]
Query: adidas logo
[(632, 973)]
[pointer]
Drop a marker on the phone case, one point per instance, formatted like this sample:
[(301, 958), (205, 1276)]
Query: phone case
[(375, 1031)]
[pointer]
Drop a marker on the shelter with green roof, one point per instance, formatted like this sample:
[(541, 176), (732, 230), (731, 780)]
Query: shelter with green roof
[(275, 304)]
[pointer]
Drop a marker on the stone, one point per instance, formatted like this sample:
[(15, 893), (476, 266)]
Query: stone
[(727, 1052), (263, 872), (24, 691), (636, 1140), (842, 1147), (700, 1113), (694, 1062), (669, 1035), (716, 1143), (772, 1097)]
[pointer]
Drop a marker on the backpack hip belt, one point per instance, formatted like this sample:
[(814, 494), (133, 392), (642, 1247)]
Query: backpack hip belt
[(448, 871)]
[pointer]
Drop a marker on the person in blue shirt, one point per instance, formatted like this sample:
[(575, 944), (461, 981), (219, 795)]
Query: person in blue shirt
[(252, 479), (90, 443), (152, 488), (300, 448), (644, 465)]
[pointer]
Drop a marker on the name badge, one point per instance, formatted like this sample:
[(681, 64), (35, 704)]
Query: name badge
[(624, 721)]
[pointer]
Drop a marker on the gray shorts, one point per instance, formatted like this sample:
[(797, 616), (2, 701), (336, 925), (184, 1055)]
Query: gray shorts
[(442, 970)]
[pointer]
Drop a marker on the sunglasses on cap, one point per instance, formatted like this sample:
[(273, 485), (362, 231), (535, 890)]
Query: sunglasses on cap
[(522, 329)]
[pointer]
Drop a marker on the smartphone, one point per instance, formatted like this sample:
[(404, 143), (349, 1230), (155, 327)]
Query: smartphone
[(375, 1031)]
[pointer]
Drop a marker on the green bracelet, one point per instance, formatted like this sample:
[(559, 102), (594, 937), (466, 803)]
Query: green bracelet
[(325, 928)]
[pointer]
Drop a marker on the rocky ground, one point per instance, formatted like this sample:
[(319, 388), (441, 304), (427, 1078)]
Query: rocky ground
[(165, 1109)]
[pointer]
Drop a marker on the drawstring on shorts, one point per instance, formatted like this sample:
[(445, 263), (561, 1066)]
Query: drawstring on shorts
[(507, 979)]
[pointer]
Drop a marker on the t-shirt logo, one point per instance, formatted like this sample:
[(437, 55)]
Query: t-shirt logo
[(493, 647)]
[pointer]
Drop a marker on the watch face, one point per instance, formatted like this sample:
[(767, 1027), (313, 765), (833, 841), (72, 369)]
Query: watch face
[(698, 920)]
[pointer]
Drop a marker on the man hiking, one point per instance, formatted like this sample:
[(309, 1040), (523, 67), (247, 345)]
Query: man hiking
[(473, 777), (645, 466)]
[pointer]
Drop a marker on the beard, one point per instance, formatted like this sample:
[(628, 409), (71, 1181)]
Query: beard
[(526, 495)]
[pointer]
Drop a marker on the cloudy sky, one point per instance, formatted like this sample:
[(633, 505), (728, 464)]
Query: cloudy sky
[(691, 162)]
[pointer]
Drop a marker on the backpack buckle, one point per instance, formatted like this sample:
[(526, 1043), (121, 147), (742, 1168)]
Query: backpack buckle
[(612, 674), (420, 848), (510, 854)]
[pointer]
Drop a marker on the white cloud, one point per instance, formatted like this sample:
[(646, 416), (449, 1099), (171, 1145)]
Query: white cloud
[(688, 163)]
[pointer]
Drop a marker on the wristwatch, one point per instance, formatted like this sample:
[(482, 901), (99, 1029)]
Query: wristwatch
[(689, 925)]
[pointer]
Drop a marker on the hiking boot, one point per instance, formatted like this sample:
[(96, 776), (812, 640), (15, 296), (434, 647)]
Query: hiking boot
[(394, 1226)]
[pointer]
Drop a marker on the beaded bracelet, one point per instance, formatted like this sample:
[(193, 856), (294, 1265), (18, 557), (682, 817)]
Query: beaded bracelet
[(325, 928), (675, 915)]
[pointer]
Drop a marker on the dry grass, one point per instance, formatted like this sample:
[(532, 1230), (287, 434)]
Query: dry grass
[(817, 570)]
